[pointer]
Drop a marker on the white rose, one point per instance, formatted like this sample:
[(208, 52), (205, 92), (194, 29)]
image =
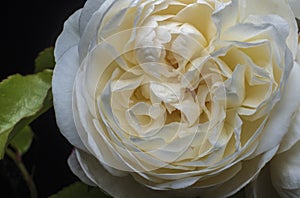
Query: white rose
[(180, 97)]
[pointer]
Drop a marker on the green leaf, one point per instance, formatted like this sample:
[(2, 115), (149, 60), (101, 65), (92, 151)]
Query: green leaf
[(22, 140), (45, 60), (22, 99), (80, 190), (3, 140)]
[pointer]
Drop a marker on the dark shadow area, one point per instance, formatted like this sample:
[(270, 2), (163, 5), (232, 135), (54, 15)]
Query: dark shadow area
[(29, 27)]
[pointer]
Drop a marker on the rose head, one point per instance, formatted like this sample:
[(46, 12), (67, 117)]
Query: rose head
[(180, 98)]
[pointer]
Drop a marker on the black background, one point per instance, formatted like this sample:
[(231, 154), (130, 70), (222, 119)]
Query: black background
[(27, 28)]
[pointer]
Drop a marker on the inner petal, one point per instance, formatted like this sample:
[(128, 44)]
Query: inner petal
[(203, 22)]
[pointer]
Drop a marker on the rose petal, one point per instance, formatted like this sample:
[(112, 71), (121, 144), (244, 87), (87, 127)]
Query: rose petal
[(280, 117), (69, 37), (285, 172), (125, 187), (226, 15), (90, 135), (90, 31), (67, 64), (90, 7), (293, 134), (298, 55), (250, 169), (280, 8), (190, 14), (295, 5), (77, 170), (235, 86)]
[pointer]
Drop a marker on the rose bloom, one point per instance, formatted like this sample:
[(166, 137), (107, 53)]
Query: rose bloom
[(182, 98)]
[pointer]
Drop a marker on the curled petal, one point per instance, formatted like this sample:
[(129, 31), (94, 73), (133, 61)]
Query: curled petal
[(280, 8)]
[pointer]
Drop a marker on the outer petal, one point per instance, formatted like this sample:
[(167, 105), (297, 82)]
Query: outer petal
[(295, 5), (77, 170), (128, 187), (250, 169), (285, 172), (67, 63), (89, 34), (118, 187), (69, 37), (123, 187), (298, 55), (88, 10), (293, 134), (281, 116)]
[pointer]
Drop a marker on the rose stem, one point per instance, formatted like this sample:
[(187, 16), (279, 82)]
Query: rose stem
[(16, 157)]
